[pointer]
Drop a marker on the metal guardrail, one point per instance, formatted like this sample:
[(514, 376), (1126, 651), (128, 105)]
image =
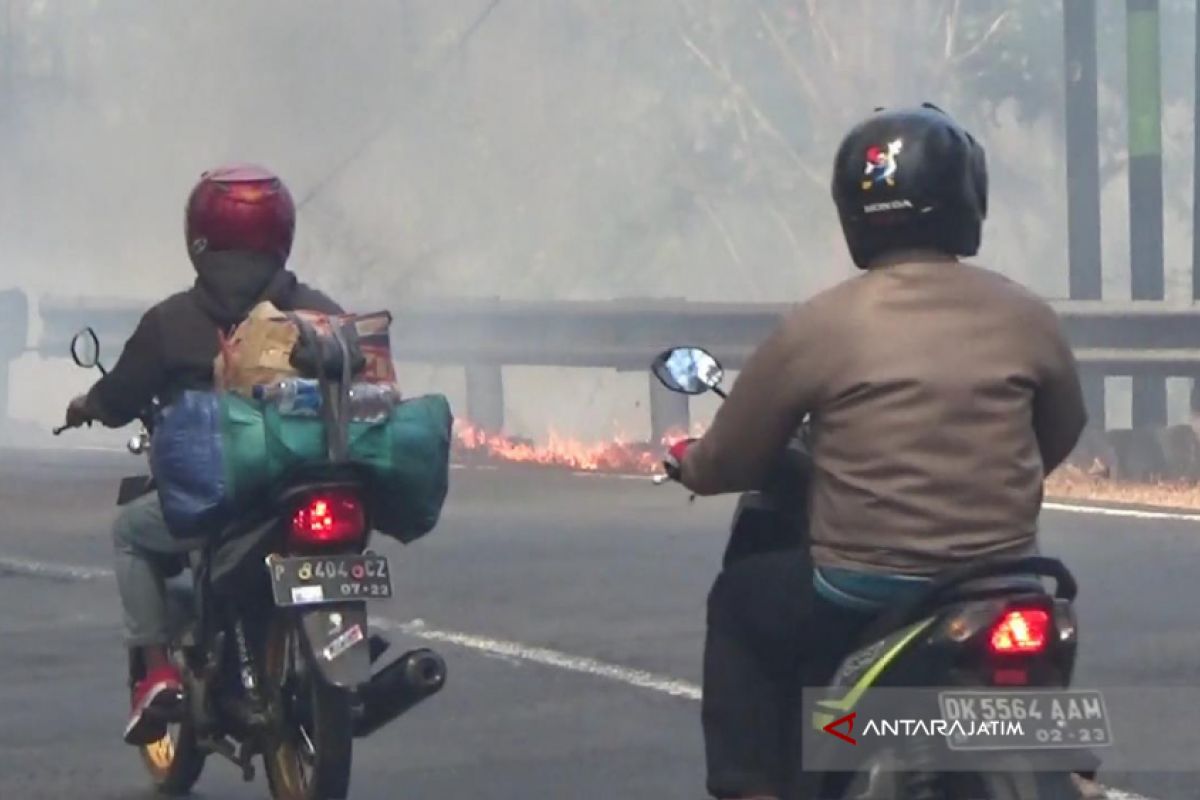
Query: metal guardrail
[(61, 317), (1117, 337), (1133, 338)]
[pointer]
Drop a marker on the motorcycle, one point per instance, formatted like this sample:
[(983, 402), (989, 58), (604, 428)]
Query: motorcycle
[(271, 635), (987, 636)]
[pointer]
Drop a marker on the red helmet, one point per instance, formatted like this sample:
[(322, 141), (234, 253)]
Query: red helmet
[(240, 207)]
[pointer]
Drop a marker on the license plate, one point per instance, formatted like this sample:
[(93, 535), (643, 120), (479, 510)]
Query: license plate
[(1025, 720), (309, 580)]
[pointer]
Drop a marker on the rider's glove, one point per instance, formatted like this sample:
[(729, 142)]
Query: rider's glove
[(673, 463), (78, 413)]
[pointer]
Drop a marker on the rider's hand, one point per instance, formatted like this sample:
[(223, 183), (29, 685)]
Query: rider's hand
[(673, 463), (78, 413)]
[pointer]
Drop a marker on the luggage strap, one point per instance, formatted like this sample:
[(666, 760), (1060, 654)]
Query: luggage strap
[(335, 395)]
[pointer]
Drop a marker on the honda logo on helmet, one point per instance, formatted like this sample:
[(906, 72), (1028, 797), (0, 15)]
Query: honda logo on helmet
[(887, 205)]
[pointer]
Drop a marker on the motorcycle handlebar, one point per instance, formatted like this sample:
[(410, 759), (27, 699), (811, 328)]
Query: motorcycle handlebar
[(67, 427), (146, 419)]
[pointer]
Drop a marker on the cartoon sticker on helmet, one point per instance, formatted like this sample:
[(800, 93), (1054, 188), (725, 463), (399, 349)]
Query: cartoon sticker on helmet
[(881, 164)]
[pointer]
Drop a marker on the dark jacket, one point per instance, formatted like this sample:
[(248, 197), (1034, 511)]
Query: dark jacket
[(941, 394), (176, 342)]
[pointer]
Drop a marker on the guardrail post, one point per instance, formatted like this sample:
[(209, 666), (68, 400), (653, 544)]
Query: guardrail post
[(14, 325), (1092, 381), (669, 412), (1083, 178), (1143, 76), (485, 396), (1194, 405), (1083, 156), (1196, 173), (5, 371), (1148, 405), (1144, 80)]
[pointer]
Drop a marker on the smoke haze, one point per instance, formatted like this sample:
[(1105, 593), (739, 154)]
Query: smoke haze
[(546, 149)]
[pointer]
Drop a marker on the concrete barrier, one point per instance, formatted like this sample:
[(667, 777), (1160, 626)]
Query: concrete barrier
[(1144, 339), (1094, 454), (1139, 455), (14, 323), (1143, 455), (1181, 452)]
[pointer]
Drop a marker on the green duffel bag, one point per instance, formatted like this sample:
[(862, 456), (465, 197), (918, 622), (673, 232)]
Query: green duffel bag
[(409, 460), (406, 457)]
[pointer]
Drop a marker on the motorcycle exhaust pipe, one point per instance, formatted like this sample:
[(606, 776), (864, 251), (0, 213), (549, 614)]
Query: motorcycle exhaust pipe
[(415, 676)]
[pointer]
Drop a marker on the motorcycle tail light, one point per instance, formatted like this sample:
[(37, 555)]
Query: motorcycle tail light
[(329, 518), (1020, 631)]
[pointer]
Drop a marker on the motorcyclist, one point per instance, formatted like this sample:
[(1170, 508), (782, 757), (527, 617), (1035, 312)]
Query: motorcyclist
[(239, 225), (939, 394)]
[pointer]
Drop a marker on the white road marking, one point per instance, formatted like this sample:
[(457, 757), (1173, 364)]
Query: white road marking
[(545, 657), (61, 449), (1128, 513), (497, 648), (640, 679), (418, 629), (1159, 514), (1162, 515), (54, 572), (1061, 505)]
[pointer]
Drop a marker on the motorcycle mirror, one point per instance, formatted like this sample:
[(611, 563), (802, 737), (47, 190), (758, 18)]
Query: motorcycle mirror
[(688, 370), (139, 443), (85, 349)]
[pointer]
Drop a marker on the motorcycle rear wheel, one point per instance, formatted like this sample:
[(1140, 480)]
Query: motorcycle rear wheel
[(175, 761), (309, 755), (1015, 782), (1016, 785)]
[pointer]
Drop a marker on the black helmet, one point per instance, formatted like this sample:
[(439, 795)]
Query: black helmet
[(910, 179)]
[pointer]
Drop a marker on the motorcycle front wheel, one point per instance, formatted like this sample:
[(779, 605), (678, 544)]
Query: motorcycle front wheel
[(309, 751)]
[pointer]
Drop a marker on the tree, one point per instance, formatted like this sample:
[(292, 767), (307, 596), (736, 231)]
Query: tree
[(544, 148)]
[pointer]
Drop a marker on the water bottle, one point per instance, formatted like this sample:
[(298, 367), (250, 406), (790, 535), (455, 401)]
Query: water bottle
[(295, 397), (372, 402), (300, 398)]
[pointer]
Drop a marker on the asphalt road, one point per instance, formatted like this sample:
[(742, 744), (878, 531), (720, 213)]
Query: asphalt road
[(574, 607)]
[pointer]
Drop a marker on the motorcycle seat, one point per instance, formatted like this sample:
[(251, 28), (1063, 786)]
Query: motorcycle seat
[(996, 586)]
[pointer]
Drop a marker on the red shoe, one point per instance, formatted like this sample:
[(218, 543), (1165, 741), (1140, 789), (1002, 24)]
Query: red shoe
[(160, 691)]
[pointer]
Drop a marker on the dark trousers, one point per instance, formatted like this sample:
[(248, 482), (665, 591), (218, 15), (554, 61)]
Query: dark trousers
[(767, 632)]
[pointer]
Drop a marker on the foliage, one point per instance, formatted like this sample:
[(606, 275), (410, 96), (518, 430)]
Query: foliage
[(563, 148)]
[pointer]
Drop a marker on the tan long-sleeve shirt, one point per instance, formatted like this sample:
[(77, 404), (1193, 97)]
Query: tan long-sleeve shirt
[(940, 393)]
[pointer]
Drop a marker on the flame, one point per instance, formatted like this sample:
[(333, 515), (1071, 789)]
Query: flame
[(474, 445)]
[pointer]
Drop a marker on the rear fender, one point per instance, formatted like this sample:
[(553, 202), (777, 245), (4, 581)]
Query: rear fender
[(335, 639), (133, 487)]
